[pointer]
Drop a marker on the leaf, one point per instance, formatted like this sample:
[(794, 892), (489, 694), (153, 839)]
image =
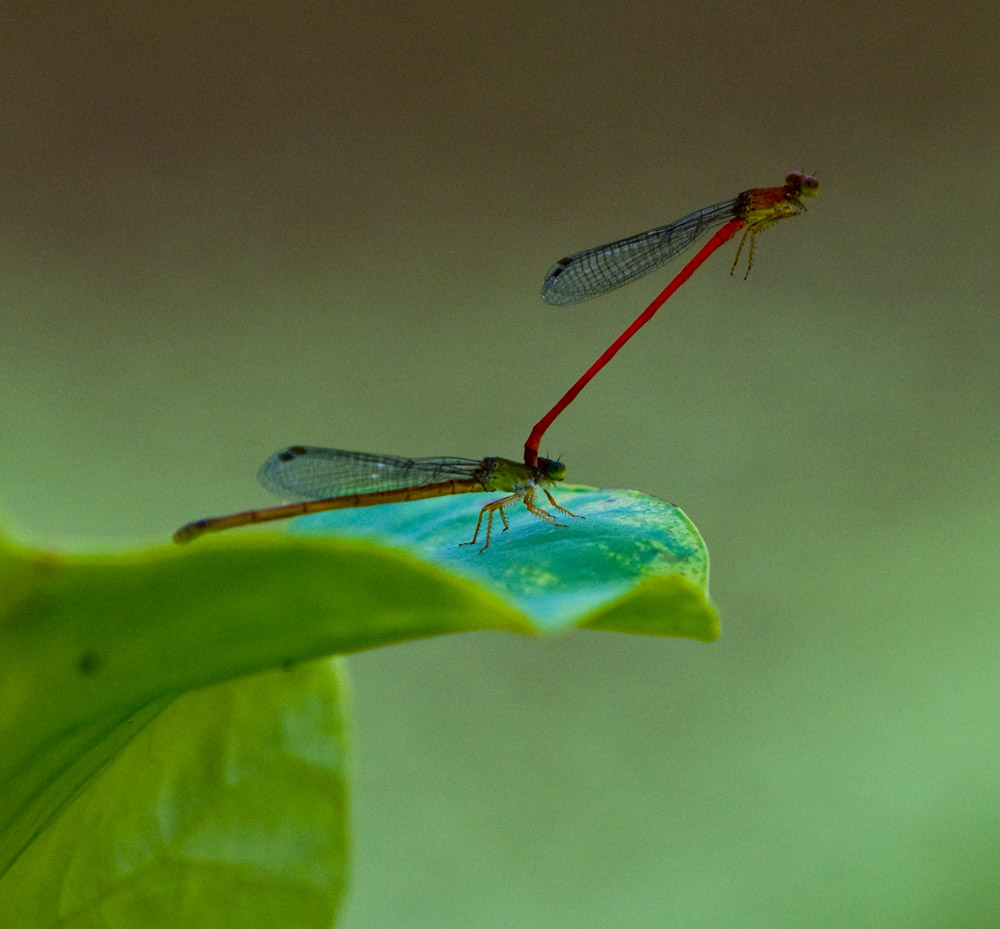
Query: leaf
[(559, 577), (228, 809), (93, 648)]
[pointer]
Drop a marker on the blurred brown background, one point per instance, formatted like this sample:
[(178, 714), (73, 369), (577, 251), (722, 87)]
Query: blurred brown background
[(229, 227)]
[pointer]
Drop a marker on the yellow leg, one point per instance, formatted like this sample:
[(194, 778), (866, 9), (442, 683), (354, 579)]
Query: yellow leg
[(743, 239), (479, 521), (529, 503), (489, 510), (786, 212), (750, 231), (753, 242), (498, 506), (561, 509)]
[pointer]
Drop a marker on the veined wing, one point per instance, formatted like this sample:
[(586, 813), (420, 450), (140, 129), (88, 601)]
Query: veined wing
[(596, 271), (314, 473)]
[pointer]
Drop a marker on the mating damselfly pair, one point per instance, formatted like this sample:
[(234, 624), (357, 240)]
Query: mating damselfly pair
[(331, 479)]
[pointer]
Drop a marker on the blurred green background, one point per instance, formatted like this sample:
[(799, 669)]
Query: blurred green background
[(230, 227)]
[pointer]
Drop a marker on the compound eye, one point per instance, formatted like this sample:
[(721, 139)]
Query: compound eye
[(555, 470), (803, 184)]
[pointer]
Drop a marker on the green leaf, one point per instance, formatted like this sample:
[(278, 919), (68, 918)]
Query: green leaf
[(94, 648), (632, 564), (227, 810)]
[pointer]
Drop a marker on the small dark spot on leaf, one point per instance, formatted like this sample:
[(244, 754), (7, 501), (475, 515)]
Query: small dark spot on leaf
[(89, 663)]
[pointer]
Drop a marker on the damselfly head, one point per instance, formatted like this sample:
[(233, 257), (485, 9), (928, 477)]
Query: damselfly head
[(551, 470), (802, 185)]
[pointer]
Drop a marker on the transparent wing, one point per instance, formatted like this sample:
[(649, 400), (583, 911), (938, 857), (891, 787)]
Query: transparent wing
[(596, 271), (315, 473)]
